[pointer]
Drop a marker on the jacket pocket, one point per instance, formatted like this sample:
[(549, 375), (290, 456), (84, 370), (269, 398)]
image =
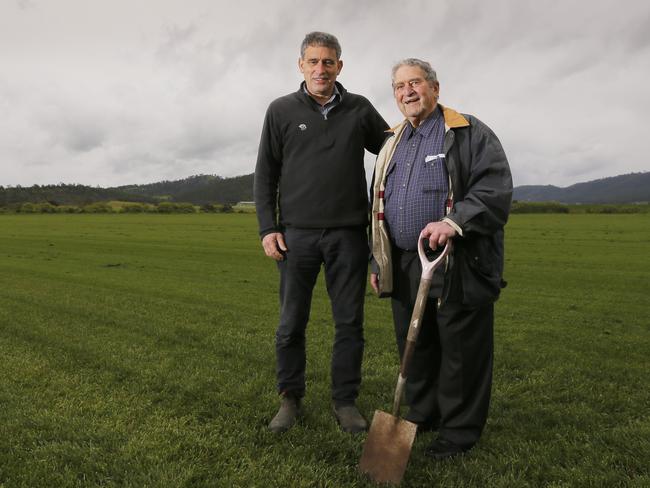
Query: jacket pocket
[(481, 272)]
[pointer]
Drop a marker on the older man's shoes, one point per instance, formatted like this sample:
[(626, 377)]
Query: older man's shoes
[(288, 414), (442, 448), (350, 419)]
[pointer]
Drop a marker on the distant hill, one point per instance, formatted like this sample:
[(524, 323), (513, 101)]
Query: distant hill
[(64, 195), (198, 189), (630, 188), (202, 189)]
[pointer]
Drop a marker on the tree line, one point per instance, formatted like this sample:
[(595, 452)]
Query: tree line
[(117, 207), (197, 190)]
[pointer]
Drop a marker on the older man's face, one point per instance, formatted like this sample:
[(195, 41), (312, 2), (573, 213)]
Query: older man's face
[(416, 98), (320, 69)]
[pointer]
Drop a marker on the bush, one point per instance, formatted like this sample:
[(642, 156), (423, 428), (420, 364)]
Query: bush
[(46, 208), (185, 208), (133, 208), (26, 208), (209, 208), (216, 207), (616, 209), (519, 207), (98, 207), (169, 207), (165, 207), (68, 209)]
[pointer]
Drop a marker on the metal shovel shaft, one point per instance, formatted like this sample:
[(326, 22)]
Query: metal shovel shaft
[(411, 340), (428, 268)]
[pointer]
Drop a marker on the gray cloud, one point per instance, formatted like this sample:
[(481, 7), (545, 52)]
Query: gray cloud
[(137, 92), (24, 4)]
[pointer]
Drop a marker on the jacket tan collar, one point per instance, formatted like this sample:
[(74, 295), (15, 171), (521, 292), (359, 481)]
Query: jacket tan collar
[(453, 120)]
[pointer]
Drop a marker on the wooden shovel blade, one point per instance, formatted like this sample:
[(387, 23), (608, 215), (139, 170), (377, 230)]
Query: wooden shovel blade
[(388, 448)]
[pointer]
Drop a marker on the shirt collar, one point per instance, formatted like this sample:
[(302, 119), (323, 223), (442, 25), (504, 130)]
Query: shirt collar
[(335, 93), (426, 127)]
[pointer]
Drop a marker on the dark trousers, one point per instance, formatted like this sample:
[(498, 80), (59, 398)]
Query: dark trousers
[(344, 253), (450, 377)]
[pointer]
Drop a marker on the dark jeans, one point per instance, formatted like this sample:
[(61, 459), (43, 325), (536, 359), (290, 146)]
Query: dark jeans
[(450, 377), (344, 253)]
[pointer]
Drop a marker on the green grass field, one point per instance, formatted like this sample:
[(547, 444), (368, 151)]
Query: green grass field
[(137, 350)]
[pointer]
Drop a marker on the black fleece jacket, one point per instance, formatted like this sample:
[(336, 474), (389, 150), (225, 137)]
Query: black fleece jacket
[(311, 168)]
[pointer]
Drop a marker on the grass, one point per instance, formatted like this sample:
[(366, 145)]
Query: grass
[(137, 350)]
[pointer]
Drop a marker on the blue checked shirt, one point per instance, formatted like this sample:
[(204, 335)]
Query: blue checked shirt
[(417, 184)]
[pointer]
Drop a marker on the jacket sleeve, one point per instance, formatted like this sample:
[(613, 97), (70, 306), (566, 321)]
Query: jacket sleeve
[(484, 206), (374, 127), (267, 175)]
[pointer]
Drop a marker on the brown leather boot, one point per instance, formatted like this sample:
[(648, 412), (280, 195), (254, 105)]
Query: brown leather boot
[(350, 419), (287, 415)]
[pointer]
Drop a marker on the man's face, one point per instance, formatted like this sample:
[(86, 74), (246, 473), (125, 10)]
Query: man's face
[(416, 98), (320, 68)]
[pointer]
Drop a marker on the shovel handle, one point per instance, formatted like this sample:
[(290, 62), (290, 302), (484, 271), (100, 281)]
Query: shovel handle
[(428, 267)]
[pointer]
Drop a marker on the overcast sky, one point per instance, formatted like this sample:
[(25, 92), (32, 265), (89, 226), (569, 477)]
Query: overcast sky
[(115, 92)]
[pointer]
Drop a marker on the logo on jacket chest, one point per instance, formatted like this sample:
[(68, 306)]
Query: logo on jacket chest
[(302, 127)]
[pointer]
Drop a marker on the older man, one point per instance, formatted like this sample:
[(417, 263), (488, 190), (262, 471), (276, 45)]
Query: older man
[(310, 167), (447, 174)]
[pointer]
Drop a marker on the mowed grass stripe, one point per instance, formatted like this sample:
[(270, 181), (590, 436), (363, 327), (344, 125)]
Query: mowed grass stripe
[(105, 338), (160, 371), (152, 383), (73, 429), (168, 276), (128, 302)]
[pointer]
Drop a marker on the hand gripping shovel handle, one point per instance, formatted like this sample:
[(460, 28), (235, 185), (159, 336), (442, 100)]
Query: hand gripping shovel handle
[(428, 267)]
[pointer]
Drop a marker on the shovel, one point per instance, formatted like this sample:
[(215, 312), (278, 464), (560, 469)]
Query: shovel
[(388, 445)]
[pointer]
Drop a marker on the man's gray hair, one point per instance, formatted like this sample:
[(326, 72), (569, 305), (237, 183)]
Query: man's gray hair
[(320, 39), (429, 72)]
